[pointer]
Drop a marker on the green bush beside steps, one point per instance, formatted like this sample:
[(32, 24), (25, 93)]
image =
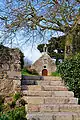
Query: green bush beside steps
[(70, 73)]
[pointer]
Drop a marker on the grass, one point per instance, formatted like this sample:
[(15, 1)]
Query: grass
[(28, 73), (55, 74)]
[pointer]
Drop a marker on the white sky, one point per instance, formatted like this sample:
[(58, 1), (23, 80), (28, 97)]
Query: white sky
[(32, 53)]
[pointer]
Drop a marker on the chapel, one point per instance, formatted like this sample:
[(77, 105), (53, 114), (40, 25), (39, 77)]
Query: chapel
[(44, 66)]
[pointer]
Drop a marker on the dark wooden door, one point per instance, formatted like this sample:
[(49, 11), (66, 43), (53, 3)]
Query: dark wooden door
[(44, 72)]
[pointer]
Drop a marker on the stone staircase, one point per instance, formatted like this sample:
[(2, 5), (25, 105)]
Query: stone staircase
[(49, 99)]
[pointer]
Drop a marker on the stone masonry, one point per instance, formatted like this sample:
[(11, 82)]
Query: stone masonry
[(50, 99), (44, 62), (10, 68)]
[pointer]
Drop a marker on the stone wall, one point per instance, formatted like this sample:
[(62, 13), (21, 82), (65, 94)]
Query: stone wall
[(10, 67)]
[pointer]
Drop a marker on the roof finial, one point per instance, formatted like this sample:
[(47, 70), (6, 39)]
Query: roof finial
[(45, 50)]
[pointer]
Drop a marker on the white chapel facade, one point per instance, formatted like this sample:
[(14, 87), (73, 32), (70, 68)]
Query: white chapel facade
[(44, 65)]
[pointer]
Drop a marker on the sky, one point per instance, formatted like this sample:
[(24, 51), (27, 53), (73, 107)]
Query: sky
[(32, 53)]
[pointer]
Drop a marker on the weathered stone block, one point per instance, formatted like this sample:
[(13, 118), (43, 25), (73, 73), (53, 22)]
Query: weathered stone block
[(62, 94), (49, 108), (62, 116), (76, 116), (54, 88), (34, 87), (34, 100), (73, 101), (56, 83), (38, 93), (52, 78), (69, 108), (14, 75), (39, 116), (43, 82), (60, 100), (6, 86), (32, 108)]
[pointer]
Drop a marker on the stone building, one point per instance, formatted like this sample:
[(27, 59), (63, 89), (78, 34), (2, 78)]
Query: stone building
[(44, 65)]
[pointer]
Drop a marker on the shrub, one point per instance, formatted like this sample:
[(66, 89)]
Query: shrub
[(25, 71), (70, 73), (55, 74), (4, 117), (22, 102), (12, 104), (11, 111), (17, 96), (29, 72), (34, 72), (1, 108), (1, 99), (14, 114), (1, 103)]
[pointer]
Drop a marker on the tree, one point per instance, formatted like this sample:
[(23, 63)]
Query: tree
[(39, 16), (72, 44), (55, 44)]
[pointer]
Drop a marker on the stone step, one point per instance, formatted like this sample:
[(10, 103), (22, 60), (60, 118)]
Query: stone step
[(28, 82), (54, 88), (53, 116), (45, 88), (24, 77), (48, 93), (62, 94), (61, 100), (50, 100), (31, 87), (52, 108), (42, 82), (53, 83), (52, 78), (37, 93)]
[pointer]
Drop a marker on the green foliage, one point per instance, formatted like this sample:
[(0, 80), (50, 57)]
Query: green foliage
[(1, 108), (76, 39), (14, 114), (27, 72), (22, 102), (17, 96), (11, 111), (55, 74), (55, 44), (70, 73), (1, 102), (1, 99), (34, 72), (4, 117), (12, 104)]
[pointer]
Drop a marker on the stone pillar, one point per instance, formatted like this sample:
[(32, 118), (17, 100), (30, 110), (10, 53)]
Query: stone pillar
[(10, 70)]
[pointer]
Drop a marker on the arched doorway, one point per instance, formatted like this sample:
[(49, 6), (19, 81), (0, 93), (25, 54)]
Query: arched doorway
[(44, 72)]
